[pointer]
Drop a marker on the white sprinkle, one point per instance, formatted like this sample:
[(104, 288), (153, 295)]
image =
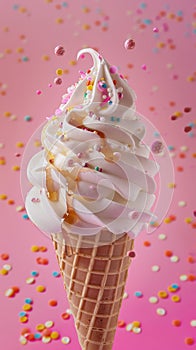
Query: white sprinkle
[(7, 267), (161, 311), (49, 324), (193, 323), (182, 204), (136, 330), (125, 295), (46, 340), (129, 327), (174, 258), (65, 340), (155, 268), (162, 236), (153, 300), (183, 277)]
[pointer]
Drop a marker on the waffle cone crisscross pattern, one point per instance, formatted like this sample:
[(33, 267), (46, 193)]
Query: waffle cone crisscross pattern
[(94, 273)]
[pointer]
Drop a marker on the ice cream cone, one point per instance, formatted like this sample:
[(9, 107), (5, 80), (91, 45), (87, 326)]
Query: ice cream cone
[(94, 276)]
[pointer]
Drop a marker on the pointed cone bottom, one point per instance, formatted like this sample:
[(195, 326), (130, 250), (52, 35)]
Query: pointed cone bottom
[(94, 273)]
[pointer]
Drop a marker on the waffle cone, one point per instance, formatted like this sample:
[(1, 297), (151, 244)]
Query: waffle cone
[(94, 277)]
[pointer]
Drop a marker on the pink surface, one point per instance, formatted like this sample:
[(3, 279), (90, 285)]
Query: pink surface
[(29, 32)]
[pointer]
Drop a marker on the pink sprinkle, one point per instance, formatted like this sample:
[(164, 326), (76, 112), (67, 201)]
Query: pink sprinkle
[(113, 69), (35, 200), (58, 81), (49, 85), (17, 154), (144, 66), (38, 92), (155, 30), (59, 50), (129, 44)]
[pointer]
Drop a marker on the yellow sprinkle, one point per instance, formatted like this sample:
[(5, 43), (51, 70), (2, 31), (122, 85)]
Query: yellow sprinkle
[(171, 289), (35, 248), (54, 335), (8, 51), (37, 143), (160, 45), (171, 185), (2, 161), (136, 323), (27, 307), (19, 144), (177, 114), (89, 87), (15, 167), (167, 220), (23, 319), (190, 78), (3, 272), (59, 21), (175, 298), (7, 114), (72, 63), (40, 289), (3, 196), (40, 327), (162, 294), (188, 220), (59, 71), (86, 26), (22, 9), (45, 58), (20, 50)]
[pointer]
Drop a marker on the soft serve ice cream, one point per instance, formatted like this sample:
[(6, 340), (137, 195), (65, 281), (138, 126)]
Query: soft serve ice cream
[(93, 172)]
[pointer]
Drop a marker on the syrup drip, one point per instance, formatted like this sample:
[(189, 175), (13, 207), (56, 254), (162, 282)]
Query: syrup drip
[(106, 150)]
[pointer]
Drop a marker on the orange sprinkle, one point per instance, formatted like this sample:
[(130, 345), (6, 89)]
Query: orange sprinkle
[(172, 217), (42, 261), (43, 249), (191, 277), (182, 155), (176, 323), (193, 225), (4, 256), (52, 302), (10, 201), (147, 244), (30, 337), (46, 332), (65, 316), (168, 253), (121, 323), (25, 331), (189, 341), (180, 168), (16, 289), (191, 259)]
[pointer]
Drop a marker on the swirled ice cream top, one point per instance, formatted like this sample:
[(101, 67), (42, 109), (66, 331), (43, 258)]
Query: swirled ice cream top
[(94, 171)]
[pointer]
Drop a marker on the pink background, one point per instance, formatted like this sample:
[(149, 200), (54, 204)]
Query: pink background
[(29, 31)]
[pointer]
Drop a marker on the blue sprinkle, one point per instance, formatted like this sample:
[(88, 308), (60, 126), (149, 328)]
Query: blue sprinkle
[(191, 134), (110, 102), (138, 294), (192, 125), (180, 13), (118, 119), (156, 134), (37, 335), (27, 118), (155, 50), (25, 216), (112, 119), (170, 148), (34, 273), (28, 301), (194, 31), (15, 7), (147, 21), (175, 286), (22, 313), (143, 5), (65, 4), (55, 274), (25, 58)]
